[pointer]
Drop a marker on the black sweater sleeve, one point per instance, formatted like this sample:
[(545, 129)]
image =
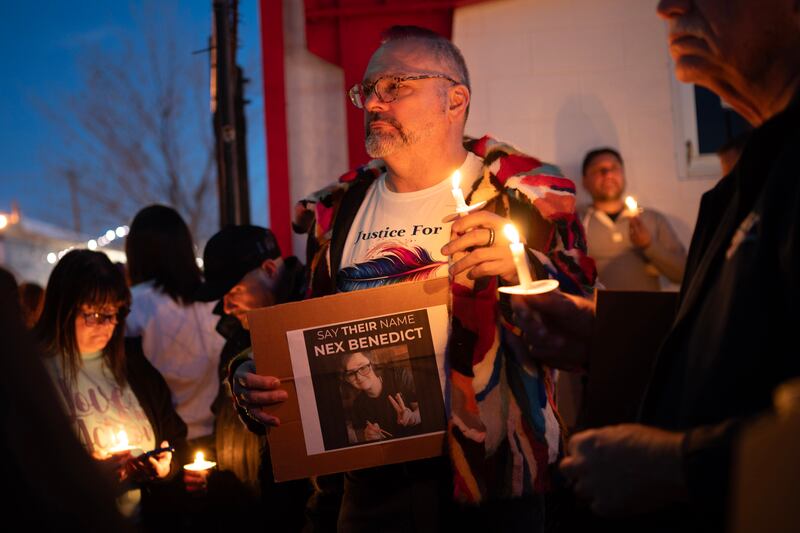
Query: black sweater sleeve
[(156, 400)]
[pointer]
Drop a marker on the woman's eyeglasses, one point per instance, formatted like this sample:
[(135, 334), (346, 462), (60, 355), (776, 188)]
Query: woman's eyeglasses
[(387, 87), (100, 319), (362, 371)]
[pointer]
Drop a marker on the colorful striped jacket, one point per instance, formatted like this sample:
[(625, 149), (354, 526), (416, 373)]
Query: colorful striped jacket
[(504, 430)]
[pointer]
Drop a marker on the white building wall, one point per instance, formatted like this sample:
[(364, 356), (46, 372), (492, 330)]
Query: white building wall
[(557, 78), (315, 116)]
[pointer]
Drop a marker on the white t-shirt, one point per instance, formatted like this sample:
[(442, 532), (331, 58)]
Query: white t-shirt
[(399, 236), (182, 343)]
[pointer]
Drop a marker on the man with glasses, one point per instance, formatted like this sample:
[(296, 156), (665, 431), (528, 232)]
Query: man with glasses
[(386, 223)]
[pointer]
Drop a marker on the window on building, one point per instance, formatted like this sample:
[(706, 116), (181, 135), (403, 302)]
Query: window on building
[(717, 123), (703, 123)]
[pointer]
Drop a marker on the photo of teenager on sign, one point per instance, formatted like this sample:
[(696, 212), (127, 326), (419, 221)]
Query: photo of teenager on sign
[(385, 405)]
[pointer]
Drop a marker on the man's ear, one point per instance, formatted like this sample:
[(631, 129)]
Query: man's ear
[(270, 266), (458, 100)]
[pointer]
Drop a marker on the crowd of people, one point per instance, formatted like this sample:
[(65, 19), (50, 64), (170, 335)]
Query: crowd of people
[(154, 362)]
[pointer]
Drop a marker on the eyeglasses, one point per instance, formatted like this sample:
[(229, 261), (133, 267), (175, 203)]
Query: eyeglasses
[(362, 371), (100, 319), (387, 87)]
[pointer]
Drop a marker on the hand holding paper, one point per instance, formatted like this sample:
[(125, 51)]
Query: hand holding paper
[(253, 392)]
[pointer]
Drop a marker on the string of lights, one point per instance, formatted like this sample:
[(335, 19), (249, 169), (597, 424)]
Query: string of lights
[(103, 240), (93, 244)]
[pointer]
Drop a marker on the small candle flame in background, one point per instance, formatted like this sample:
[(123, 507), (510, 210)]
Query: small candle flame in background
[(458, 194), (631, 204), (200, 463)]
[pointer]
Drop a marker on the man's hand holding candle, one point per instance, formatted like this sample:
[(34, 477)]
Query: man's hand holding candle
[(480, 236), (195, 474), (557, 326), (639, 234)]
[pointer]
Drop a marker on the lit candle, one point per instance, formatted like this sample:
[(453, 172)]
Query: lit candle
[(200, 464), (519, 255), (632, 206), (122, 443), (461, 204)]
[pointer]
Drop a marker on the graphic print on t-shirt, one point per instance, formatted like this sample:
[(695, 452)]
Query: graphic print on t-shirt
[(397, 237), (99, 409), (391, 263)]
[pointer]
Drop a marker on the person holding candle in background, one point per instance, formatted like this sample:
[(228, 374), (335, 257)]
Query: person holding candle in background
[(631, 246), (734, 338), (387, 222), (118, 403), (244, 270)]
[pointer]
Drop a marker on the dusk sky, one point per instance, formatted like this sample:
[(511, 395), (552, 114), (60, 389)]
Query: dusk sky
[(43, 43)]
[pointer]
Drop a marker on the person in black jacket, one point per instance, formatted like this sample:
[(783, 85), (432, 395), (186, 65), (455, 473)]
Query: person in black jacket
[(733, 340), (118, 404), (244, 270)]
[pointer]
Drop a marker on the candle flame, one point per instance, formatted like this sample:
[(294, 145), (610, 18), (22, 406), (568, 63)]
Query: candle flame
[(199, 457), (511, 233), (122, 439), (455, 178), (631, 204)]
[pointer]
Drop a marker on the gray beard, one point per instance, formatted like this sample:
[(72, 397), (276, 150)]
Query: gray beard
[(381, 144)]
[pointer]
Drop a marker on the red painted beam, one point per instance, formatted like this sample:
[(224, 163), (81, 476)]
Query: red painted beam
[(359, 37), (271, 17), (385, 9), (342, 32)]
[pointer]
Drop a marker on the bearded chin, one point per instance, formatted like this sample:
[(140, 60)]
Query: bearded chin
[(380, 144)]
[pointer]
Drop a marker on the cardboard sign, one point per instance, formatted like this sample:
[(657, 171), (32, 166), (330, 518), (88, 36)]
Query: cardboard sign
[(365, 376)]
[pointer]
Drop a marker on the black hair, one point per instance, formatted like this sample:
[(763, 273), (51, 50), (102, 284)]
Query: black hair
[(83, 277), (159, 248), (9, 292), (589, 157), (31, 299)]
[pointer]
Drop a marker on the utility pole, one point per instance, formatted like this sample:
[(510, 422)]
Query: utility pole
[(227, 106)]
